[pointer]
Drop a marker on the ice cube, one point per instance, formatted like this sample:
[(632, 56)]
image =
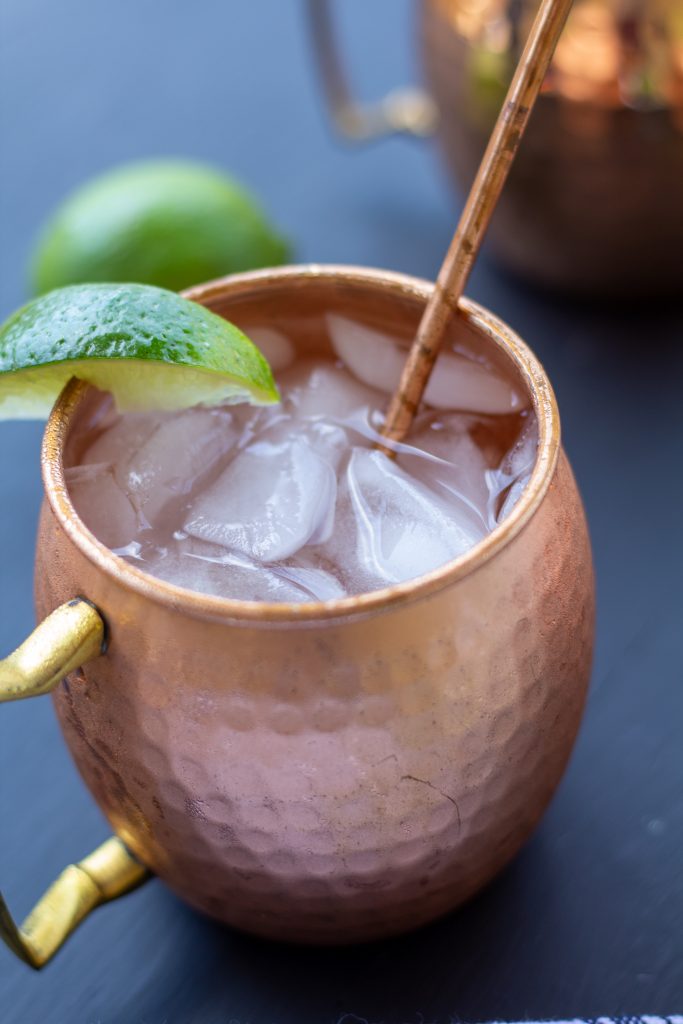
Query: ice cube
[(85, 473), (515, 469), (323, 390), (457, 382), (328, 440), (461, 383), (177, 563), (271, 500), (121, 436), (209, 569), (313, 579), (455, 464), (181, 449), (101, 504), (274, 345), (512, 496), (522, 456), (390, 527)]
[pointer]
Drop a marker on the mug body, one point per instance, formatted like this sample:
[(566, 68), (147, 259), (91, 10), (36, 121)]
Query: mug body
[(341, 771), (594, 200)]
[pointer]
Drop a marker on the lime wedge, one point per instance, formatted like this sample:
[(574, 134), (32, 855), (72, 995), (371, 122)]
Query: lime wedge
[(150, 347)]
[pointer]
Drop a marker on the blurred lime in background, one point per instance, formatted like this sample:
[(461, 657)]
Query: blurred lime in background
[(171, 223)]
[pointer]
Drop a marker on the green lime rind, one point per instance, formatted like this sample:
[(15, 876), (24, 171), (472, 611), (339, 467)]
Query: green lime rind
[(150, 347), (169, 223)]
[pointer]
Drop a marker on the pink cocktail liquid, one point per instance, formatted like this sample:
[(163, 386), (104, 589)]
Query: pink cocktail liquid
[(293, 502)]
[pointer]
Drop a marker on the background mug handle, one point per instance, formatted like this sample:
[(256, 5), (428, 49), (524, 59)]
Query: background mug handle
[(68, 638), (407, 111)]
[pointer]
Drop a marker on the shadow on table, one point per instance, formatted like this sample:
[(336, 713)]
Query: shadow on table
[(459, 966)]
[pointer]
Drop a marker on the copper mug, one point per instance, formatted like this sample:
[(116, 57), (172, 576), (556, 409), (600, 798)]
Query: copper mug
[(594, 202), (326, 772)]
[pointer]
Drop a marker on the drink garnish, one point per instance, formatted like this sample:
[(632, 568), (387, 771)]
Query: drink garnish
[(151, 348)]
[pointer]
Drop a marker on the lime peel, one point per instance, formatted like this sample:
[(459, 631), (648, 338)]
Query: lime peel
[(163, 222), (150, 347)]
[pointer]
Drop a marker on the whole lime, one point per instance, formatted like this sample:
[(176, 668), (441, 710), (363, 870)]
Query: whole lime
[(170, 223)]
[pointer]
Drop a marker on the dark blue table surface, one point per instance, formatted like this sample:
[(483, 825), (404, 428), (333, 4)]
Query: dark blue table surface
[(589, 918)]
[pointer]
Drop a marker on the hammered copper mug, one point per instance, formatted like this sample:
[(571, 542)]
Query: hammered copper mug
[(594, 202), (324, 772)]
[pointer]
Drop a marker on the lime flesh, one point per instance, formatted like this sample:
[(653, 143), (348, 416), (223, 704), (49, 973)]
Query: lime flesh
[(151, 348)]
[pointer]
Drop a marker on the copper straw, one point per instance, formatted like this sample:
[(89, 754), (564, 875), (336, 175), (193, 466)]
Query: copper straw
[(481, 202)]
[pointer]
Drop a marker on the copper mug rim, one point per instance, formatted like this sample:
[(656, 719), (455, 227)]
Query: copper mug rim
[(481, 319)]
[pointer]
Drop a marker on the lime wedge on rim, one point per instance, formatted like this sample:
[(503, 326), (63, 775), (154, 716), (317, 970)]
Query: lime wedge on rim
[(151, 348)]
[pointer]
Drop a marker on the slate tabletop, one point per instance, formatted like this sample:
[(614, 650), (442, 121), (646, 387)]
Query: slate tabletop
[(588, 920)]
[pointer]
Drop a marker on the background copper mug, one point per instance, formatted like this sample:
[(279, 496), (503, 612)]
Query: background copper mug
[(594, 202), (322, 772)]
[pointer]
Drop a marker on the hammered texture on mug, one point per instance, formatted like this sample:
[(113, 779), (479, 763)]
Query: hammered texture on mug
[(346, 778)]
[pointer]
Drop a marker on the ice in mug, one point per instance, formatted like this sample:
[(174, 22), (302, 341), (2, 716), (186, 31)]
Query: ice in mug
[(294, 502)]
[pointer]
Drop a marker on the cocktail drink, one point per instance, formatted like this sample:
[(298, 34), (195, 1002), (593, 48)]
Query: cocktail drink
[(296, 502), (338, 686)]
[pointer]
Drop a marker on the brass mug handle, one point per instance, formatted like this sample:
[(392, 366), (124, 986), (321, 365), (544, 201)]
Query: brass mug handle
[(68, 638), (407, 111)]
